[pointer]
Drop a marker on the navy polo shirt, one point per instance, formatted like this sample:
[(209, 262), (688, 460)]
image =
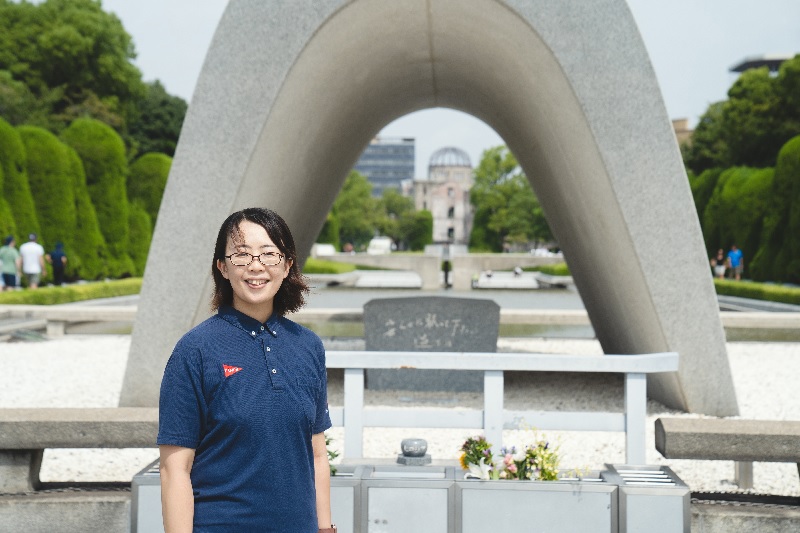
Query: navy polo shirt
[(247, 397)]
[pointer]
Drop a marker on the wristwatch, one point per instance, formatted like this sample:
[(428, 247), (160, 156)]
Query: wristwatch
[(331, 529)]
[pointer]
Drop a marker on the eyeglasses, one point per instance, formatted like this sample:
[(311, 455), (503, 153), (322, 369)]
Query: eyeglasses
[(243, 258)]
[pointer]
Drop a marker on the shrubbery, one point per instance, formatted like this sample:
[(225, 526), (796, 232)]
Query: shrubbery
[(51, 186), (103, 155), (73, 293), (146, 181), (16, 189), (92, 252), (758, 291), (559, 269), (758, 210), (141, 231), (7, 224), (323, 266)]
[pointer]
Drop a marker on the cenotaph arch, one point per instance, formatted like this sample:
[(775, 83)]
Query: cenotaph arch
[(292, 91)]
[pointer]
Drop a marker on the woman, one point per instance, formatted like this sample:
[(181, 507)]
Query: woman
[(243, 401), (718, 263)]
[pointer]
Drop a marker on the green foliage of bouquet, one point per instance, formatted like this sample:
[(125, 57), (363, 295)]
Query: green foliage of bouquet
[(538, 461)]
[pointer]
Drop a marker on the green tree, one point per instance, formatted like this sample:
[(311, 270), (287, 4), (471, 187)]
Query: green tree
[(19, 105), (103, 155), (330, 231), (418, 229), (702, 188), (141, 233), (751, 120), (788, 90), (736, 209), (157, 125), (778, 258), (708, 147), (92, 257), (355, 209), (7, 224), (761, 114), (394, 210), (16, 189), (147, 180), (51, 186), (506, 208), (75, 51)]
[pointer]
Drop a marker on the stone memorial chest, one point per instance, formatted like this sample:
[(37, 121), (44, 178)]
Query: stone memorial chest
[(430, 324)]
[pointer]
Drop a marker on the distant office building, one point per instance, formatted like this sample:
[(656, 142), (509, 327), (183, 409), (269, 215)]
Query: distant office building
[(446, 195), (387, 162)]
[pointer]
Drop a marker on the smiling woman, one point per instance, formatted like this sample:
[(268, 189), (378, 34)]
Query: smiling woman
[(245, 392), (255, 278)]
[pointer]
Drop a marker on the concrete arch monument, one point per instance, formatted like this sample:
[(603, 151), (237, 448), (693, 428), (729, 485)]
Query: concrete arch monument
[(291, 92)]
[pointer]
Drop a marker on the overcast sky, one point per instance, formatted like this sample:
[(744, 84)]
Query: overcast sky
[(692, 44)]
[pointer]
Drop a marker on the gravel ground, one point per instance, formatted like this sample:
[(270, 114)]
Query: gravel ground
[(87, 371)]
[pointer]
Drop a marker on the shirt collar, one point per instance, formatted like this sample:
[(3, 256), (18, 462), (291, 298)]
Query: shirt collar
[(248, 323)]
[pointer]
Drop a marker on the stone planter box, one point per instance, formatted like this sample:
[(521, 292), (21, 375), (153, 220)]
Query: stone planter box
[(525, 506), (436, 499)]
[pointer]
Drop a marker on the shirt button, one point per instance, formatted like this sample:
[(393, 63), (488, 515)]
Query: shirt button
[(267, 348), (274, 370), (274, 332), (262, 328)]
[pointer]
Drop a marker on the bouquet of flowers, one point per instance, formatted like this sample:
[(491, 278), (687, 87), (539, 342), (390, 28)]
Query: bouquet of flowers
[(538, 461), (477, 457)]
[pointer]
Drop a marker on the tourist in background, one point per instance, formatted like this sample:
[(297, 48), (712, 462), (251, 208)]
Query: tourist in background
[(736, 262), (243, 403), (718, 263), (32, 261), (12, 263), (58, 259)]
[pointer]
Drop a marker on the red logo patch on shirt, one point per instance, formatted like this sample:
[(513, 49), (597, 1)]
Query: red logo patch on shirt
[(230, 370)]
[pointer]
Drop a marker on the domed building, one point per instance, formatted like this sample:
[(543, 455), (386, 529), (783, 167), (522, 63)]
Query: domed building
[(445, 193)]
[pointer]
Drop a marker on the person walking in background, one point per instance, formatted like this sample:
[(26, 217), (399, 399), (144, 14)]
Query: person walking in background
[(718, 263), (12, 262), (32, 261), (58, 259), (736, 262)]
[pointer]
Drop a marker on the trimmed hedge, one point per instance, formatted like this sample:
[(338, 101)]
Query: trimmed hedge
[(16, 189), (73, 293), (51, 186), (146, 181), (559, 269), (780, 247), (89, 242), (702, 188), (323, 266), (141, 233), (758, 291), (103, 154), (736, 209), (7, 225)]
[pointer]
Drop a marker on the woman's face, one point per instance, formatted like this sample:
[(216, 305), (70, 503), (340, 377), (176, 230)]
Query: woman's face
[(254, 285)]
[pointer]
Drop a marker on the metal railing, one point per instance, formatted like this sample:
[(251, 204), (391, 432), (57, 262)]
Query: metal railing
[(493, 418)]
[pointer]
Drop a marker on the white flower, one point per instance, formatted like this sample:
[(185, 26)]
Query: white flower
[(479, 471)]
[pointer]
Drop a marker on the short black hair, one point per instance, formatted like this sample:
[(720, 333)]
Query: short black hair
[(291, 295)]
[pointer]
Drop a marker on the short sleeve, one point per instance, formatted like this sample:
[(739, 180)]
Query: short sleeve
[(182, 406), (323, 418)]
